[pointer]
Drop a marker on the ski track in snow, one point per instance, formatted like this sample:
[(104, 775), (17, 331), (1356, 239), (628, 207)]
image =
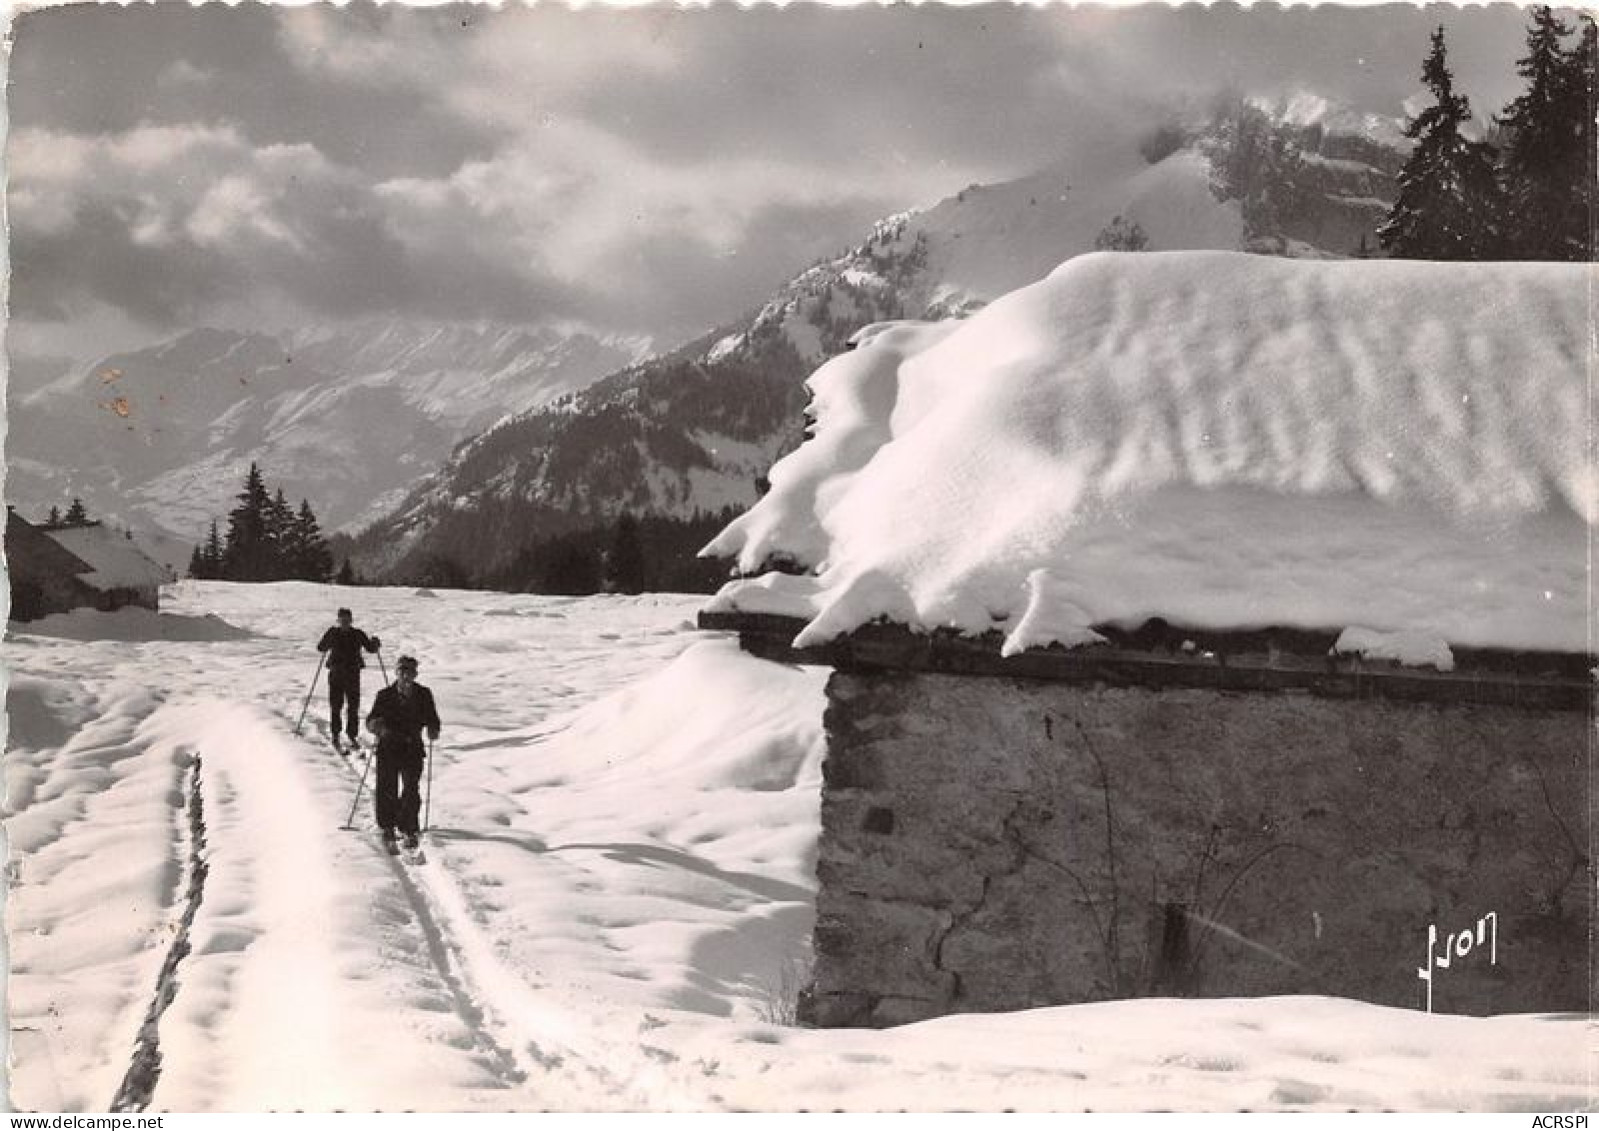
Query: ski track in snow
[(446, 962), (273, 841), (624, 821), (441, 915), (145, 1067)]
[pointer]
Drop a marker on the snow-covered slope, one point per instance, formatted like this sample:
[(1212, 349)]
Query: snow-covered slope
[(612, 913), (161, 437), (1222, 440), (990, 239), (698, 429)]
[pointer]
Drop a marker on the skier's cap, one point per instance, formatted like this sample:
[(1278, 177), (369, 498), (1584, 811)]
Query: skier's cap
[(342, 613), (405, 662)]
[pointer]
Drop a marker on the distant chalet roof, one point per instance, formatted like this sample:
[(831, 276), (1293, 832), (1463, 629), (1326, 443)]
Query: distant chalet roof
[(29, 549), (1393, 453), (113, 559)]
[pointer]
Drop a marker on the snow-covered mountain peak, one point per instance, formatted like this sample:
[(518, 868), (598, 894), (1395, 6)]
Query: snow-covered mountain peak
[(637, 440), (344, 415), (1307, 109)]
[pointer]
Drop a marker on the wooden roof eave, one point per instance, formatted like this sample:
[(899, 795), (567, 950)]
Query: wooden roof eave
[(1163, 656)]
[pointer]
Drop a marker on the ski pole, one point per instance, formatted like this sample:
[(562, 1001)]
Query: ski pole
[(427, 805), (384, 668), (349, 822), (322, 659)]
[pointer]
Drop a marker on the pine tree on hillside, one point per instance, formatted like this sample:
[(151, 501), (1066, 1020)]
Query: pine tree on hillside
[(1119, 235), (346, 574), (77, 514), (569, 568), (290, 542), (440, 571), (267, 539), (307, 557), (54, 518), (624, 563), (280, 537), (1257, 162), (1449, 200), (211, 555), (248, 553), (196, 565), (1548, 155)]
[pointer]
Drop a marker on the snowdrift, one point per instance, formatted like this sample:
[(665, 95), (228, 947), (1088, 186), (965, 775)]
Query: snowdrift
[(1223, 440), (133, 624), (625, 820)]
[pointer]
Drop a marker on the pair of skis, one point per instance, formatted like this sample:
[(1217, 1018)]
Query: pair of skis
[(393, 845), (396, 846), (346, 747)]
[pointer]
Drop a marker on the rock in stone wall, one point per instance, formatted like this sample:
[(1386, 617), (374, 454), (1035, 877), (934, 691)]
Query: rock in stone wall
[(998, 844)]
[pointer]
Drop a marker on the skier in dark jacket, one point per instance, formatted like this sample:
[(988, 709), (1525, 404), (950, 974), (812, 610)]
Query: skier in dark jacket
[(343, 643), (399, 716)]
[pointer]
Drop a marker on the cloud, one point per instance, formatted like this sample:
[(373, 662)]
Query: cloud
[(106, 69), (655, 169), (572, 224), (235, 217), (182, 219), (629, 237), (184, 76)]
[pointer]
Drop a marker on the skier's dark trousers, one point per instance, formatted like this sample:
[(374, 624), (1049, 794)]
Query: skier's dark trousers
[(344, 643), (399, 716)]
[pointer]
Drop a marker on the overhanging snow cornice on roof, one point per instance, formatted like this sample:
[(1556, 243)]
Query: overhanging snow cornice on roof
[(1155, 656)]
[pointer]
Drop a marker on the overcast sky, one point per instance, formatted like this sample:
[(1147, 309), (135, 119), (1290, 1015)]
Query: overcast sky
[(646, 171)]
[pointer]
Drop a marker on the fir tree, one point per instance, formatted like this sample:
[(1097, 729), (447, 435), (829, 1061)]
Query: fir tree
[(442, 572), (267, 539), (1548, 154), (307, 558), (569, 569), (55, 517), (248, 554), (291, 544), (624, 564), (1119, 235), (1256, 162), (1449, 198), (280, 537), (346, 574), (196, 564), (77, 514), (211, 554)]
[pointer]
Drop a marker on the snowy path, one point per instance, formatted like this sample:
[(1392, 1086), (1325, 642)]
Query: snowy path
[(94, 868), (615, 892), (319, 972)]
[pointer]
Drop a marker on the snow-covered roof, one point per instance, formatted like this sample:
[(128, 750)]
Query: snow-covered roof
[(112, 556), (1223, 440), (29, 550)]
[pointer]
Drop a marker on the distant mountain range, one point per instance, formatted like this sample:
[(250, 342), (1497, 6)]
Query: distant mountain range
[(697, 429), (467, 444), (162, 437)]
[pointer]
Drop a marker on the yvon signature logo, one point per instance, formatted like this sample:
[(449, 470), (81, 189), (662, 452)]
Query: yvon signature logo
[(1457, 947)]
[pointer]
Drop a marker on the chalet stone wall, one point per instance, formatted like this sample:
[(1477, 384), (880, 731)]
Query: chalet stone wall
[(998, 844), (144, 597)]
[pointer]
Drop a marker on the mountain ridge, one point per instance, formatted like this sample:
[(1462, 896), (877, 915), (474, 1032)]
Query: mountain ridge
[(348, 416), (650, 439)]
